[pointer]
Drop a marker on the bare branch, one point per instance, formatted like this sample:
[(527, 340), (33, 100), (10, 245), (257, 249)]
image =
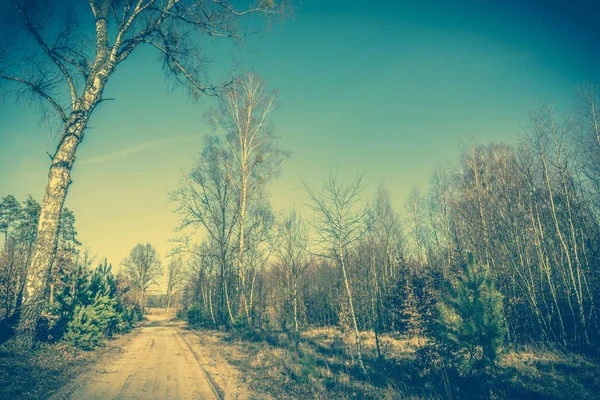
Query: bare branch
[(37, 89), (47, 50)]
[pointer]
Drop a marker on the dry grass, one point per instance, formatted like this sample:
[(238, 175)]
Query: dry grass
[(539, 373), (324, 368)]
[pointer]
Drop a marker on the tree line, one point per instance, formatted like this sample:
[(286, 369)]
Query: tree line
[(501, 249)]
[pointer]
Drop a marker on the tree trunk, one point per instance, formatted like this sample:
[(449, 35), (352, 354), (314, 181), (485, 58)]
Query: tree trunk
[(242, 244), (142, 301), (59, 179), (210, 306), (231, 319), (44, 248), (376, 307), (352, 313)]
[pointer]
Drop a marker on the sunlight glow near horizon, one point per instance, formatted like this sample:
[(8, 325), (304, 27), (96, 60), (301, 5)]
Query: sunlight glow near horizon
[(392, 90)]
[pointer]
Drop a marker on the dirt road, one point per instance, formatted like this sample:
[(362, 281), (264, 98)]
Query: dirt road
[(162, 361)]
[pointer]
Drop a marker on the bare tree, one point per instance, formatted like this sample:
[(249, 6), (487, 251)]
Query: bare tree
[(384, 243), (294, 258), (439, 218), (143, 268), (587, 136), (175, 278), (49, 55), (207, 198), (340, 223), (243, 121), (415, 222)]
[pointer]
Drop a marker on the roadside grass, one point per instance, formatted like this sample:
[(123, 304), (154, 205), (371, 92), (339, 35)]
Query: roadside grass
[(323, 367)]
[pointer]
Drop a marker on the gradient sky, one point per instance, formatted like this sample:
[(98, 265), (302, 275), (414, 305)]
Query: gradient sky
[(391, 87)]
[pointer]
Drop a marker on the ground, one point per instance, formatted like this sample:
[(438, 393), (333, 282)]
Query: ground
[(163, 358)]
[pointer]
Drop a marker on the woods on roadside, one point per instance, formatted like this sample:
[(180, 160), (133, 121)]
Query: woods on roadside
[(500, 252)]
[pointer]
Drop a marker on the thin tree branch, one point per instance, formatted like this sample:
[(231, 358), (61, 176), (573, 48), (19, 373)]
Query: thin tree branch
[(38, 90)]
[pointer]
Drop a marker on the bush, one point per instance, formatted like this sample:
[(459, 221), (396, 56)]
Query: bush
[(92, 310), (82, 330), (92, 323), (196, 316)]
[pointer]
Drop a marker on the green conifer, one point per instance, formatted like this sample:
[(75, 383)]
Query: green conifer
[(472, 329)]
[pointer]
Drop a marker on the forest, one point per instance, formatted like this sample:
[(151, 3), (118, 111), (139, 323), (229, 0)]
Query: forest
[(499, 254), (485, 285)]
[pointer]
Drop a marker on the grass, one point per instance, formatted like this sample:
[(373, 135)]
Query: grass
[(324, 368), (538, 373)]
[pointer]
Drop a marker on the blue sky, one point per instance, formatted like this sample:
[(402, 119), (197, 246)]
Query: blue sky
[(389, 87)]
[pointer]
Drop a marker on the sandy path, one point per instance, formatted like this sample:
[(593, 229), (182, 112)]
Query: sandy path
[(159, 363)]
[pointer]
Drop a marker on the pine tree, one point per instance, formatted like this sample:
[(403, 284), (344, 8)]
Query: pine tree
[(472, 329), (411, 313), (96, 311), (10, 214)]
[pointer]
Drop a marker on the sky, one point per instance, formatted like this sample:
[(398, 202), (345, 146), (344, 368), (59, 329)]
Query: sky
[(391, 88)]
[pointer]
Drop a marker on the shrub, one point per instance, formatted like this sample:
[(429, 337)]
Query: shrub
[(94, 312), (82, 330), (196, 316)]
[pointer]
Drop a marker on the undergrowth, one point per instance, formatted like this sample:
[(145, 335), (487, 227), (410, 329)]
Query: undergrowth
[(323, 367)]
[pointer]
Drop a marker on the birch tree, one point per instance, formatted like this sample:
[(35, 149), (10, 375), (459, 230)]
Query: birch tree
[(243, 121), (340, 223), (207, 199), (62, 56)]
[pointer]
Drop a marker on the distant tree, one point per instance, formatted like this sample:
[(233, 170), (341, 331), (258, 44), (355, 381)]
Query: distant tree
[(26, 229), (416, 227), (54, 54), (293, 257), (175, 278), (12, 261), (143, 267), (10, 214), (384, 244), (67, 251)]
